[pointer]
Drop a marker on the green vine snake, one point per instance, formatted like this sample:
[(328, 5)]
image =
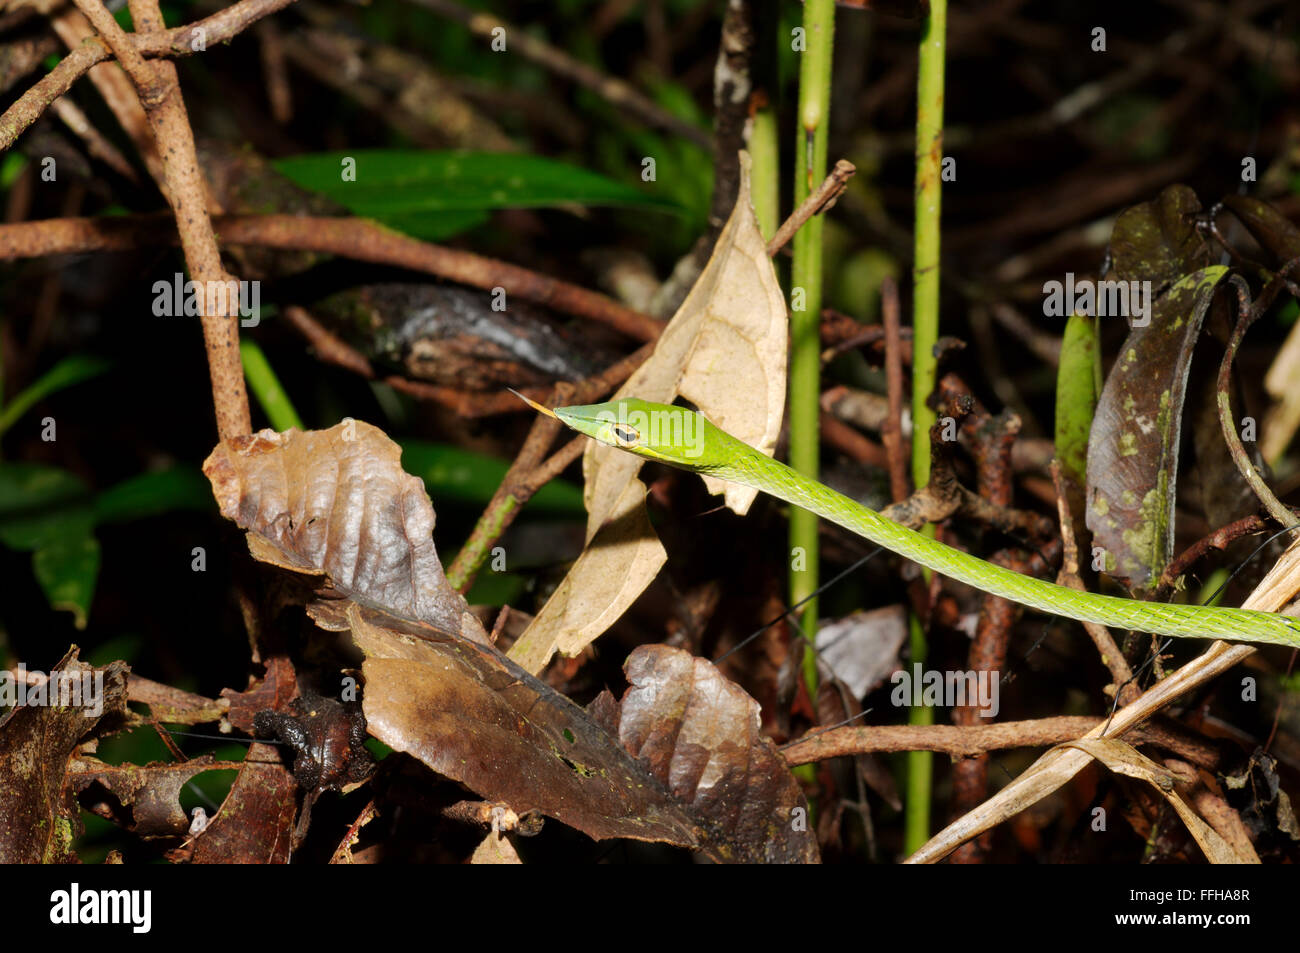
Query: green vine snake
[(687, 440)]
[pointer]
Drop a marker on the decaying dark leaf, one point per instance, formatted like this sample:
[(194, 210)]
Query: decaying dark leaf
[(1273, 230), (337, 502), (39, 816), (473, 715), (1157, 241), (273, 692), (255, 822), (698, 734), (151, 791), (457, 337), (1264, 805), (1133, 447)]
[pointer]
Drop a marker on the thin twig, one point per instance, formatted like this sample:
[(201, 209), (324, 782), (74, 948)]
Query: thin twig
[(817, 201), (1246, 317), (354, 238), (966, 741), (182, 41)]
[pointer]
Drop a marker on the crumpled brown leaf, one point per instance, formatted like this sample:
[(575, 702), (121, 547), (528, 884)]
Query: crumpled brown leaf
[(255, 822), (698, 734), (337, 502)]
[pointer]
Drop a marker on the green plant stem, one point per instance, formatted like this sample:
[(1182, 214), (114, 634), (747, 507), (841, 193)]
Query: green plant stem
[(266, 388), (920, 764), (765, 181), (925, 333), (806, 282)]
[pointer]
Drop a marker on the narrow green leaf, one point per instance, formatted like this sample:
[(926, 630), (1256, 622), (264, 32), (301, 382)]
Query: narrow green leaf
[(438, 193), (1076, 394), (73, 369), (266, 387), (151, 494)]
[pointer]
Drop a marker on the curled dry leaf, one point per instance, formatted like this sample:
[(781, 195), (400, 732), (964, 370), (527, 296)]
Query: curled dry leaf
[(337, 502), (39, 816), (725, 351), (613, 569), (698, 734)]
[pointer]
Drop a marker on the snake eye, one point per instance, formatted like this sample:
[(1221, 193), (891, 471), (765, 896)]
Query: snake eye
[(625, 435)]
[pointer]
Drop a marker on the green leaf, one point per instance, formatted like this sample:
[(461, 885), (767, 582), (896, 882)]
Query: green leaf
[(48, 512), (453, 475), (41, 504), (438, 193), (52, 514), (1076, 394), (151, 494), (66, 570), (266, 387), (71, 370)]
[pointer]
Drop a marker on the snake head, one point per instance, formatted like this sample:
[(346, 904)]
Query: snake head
[(675, 435)]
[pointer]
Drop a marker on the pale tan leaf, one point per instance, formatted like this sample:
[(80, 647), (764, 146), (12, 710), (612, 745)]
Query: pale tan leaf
[(495, 849), (617, 565), (724, 350), (1123, 758)]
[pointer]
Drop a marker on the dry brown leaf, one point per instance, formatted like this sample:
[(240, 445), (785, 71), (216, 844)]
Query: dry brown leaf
[(614, 568), (338, 502), (725, 351), (470, 714), (1123, 758), (39, 816), (699, 734), (151, 791)]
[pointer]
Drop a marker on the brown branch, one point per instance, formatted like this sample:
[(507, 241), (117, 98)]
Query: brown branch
[(181, 41), (850, 442), (970, 741), (988, 650), (819, 200), (355, 238), (1247, 314), (1111, 656), (159, 92)]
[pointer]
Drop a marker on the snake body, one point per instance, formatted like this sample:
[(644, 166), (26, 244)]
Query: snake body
[(689, 441)]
